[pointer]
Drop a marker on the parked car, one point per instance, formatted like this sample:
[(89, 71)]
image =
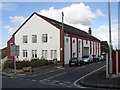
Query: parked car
[(102, 57), (96, 58), (87, 58), (76, 61)]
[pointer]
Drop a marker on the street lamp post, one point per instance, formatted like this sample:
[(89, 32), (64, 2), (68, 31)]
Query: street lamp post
[(110, 41), (63, 38)]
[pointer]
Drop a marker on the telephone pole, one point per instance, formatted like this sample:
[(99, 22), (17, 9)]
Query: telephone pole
[(110, 41), (63, 38)]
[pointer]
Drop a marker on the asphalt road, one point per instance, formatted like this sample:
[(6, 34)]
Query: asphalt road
[(63, 78)]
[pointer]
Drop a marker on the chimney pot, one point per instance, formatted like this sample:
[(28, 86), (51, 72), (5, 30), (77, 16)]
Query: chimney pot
[(90, 31)]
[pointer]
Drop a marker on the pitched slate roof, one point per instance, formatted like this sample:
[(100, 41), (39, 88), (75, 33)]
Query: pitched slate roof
[(68, 28)]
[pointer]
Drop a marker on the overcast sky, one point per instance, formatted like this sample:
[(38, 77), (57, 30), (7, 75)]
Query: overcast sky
[(78, 14)]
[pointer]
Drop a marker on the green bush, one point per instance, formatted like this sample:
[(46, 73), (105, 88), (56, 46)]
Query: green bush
[(22, 64), (8, 64), (33, 63)]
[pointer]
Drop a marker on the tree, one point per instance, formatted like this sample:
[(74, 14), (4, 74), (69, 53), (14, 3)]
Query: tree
[(104, 47), (3, 52)]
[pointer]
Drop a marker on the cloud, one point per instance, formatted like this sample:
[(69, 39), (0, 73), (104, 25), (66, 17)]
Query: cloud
[(10, 29), (7, 6), (74, 14), (0, 5), (99, 13), (0, 22), (17, 19), (103, 34)]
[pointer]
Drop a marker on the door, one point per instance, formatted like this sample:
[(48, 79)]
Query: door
[(67, 50), (86, 51)]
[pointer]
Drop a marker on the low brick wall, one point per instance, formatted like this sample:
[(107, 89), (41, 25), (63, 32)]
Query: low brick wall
[(2, 63)]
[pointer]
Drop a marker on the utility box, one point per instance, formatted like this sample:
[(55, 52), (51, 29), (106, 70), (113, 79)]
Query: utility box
[(14, 50)]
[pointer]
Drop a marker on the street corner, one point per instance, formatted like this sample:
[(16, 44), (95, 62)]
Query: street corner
[(99, 80)]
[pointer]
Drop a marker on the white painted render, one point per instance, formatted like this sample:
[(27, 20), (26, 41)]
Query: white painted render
[(67, 49), (94, 48), (99, 49), (91, 47), (86, 44), (38, 26), (74, 47), (80, 53)]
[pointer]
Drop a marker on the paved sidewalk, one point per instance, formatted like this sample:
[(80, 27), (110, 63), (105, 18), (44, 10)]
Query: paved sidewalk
[(99, 80)]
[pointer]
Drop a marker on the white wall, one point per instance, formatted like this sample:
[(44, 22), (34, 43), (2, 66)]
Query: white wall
[(91, 47), (94, 48), (99, 49), (74, 47), (80, 54), (38, 26), (67, 49), (86, 44)]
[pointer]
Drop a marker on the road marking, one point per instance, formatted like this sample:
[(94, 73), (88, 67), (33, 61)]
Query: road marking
[(27, 79), (34, 80), (61, 83), (20, 79), (56, 75), (56, 81), (79, 67), (75, 83), (45, 80), (42, 73)]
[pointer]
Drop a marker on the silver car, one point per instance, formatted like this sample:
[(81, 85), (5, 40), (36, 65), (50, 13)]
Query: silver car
[(87, 58)]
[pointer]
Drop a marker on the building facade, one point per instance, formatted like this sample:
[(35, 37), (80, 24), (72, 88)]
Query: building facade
[(40, 36)]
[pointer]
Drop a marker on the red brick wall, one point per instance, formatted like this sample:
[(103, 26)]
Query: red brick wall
[(114, 62), (11, 41), (118, 60)]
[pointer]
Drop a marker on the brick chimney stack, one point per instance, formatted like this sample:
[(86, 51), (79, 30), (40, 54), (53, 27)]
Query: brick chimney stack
[(90, 31)]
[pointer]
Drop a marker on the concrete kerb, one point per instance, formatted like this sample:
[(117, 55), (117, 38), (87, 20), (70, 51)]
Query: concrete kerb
[(99, 85), (18, 74), (82, 78), (11, 75)]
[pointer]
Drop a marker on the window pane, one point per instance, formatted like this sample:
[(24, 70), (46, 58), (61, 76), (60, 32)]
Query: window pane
[(32, 53), (34, 38), (42, 53), (25, 39), (23, 53), (51, 54), (45, 53), (73, 41), (55, 53), (26, 53), (79, 47), (35, 53), (44, 37)]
